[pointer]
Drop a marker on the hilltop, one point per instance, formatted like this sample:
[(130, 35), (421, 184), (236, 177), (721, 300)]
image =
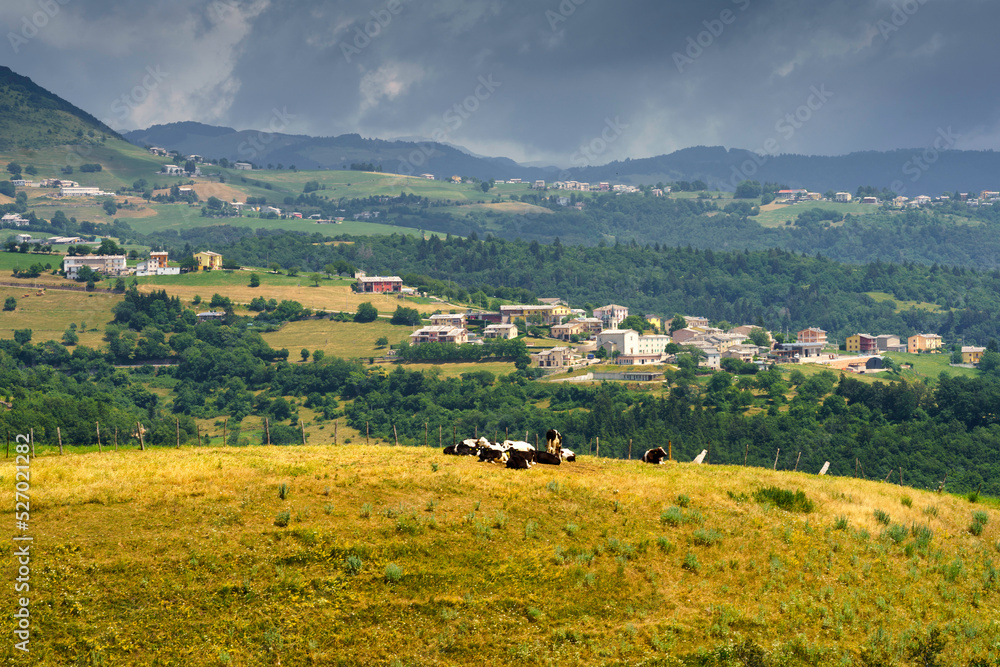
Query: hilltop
[(32, 117), (401, 556)]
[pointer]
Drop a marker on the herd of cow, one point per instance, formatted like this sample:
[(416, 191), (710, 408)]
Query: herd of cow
[(516, 454), (521, 455)]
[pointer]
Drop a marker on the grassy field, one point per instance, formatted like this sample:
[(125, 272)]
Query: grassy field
[(348, 340), (929, 367), (401, 556), (904, 305), (49, 315), (776, 216), (455, 370), (331, 295)]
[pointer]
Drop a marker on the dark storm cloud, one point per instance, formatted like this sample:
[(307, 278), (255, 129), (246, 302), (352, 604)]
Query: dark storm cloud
[(769, 75)]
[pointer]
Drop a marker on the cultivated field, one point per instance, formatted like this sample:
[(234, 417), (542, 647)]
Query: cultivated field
[(347, 340), (776, 215), (358, 555)]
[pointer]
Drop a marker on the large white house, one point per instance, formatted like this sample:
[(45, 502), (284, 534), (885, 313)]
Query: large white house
[(109, 265)]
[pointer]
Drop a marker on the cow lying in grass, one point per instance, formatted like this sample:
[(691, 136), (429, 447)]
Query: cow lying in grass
[(655, 456)]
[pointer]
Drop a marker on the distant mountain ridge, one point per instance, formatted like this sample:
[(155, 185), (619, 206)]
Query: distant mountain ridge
[(907, 171)]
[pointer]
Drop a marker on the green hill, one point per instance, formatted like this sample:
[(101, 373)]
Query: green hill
[(32, 117), (356, 555)]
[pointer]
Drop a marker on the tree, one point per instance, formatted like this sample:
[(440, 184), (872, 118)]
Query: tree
[(748, 190), (314, 278), (14, 168), (635, 323), (70, 338), (10, 303), (254, 280), (485, 186), (110, 207), (304, 354), (366, 313), (22, 336), (677, 323), (381, 342), (406, 316), (318, 356), (759, 337)]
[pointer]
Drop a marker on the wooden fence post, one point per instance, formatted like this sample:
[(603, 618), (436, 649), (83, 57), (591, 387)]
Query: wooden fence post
[(630, 449), (670, 450), (335, 425), (901, 475), (59, 435), (302, 428), (366, 433), (708, 454), (116, 438), (98, 425), (267, 429), (177, 426), (776, 458), (198, 426), (454, 434), (598, 452), (440, 436), (225, 433), (142, 441), (746, 453), (425, 434), (8, 446), (798, 458), (395, 438)]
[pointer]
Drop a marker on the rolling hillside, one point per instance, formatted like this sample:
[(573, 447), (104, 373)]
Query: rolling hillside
[(374, 555)]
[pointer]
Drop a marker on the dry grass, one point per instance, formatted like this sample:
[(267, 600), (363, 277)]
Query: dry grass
[(456, 369), (49, 315), (329, 296), (348, 340), (174, 554)]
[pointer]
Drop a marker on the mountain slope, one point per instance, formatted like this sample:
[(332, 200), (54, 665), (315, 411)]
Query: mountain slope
[(32, 117)]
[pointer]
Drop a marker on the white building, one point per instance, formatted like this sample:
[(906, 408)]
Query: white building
[(81, 192), (612, 314), (152, 267), (243, 166), (508, 331), (172, 169), (110, 265)]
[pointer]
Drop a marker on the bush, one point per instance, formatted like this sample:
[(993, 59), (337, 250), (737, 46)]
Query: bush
[(896, 532), (882, 517), (281, 521), (841, 523), (283, 491), (352, 565), (906, 501), (706, 537), (393, 573), (683, 500), (790, 501), (691, 562)]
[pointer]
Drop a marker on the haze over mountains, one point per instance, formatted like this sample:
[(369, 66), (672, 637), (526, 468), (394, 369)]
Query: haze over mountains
[(909, 172)]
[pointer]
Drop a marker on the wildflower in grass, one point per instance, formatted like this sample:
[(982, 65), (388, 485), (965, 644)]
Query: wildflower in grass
[(691, 562)]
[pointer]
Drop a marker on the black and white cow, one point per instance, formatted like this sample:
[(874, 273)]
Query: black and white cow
[(654, 456), (567, 455), (553, 441)]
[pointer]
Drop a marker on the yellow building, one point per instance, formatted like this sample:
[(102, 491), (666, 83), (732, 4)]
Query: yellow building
[(208, 260), (923, 343), (972, 355)]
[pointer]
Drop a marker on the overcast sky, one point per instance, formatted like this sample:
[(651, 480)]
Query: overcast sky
[(533, 80)]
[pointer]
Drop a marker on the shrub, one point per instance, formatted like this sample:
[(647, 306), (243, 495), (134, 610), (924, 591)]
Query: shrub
[(393, 573), (691, 562), (931, 510), (283, 491), (683, 500), (906, 501), (841, 523), (571, 529), (672, 516), (973, 496), (707, 537), (882, 517), (352, 564), (980, 517), (366, 510), (790, 501), (896, 532), (281, 521), (922, 535), (666, 546)]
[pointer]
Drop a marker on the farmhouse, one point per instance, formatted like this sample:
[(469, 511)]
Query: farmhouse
[(439, 334), (972, 355), (109, 265), (14, 220), (378, 284)]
